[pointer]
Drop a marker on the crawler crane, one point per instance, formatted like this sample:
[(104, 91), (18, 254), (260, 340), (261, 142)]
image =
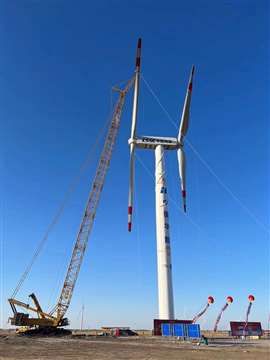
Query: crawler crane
[(56, 318)]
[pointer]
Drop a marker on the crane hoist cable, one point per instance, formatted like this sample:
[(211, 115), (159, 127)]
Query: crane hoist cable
[(71, 188)]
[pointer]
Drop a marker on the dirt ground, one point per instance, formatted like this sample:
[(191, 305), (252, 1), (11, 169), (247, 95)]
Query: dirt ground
[(132, 348)]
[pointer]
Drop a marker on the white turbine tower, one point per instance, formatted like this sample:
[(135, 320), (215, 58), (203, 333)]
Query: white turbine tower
[(160, 144)]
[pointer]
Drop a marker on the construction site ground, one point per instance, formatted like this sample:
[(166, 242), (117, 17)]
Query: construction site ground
[(78, 347)]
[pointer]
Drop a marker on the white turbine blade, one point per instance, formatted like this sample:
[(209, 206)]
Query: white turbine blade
[(133, 133), (185, 115), (136, 89), (182, 173), (131, 186)]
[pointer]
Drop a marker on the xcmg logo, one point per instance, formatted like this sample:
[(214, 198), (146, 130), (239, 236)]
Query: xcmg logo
[(153, 140)]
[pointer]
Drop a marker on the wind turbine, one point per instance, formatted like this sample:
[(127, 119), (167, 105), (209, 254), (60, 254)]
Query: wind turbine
[(159, 145)]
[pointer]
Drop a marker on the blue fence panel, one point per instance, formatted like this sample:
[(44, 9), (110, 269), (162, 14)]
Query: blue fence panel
[(193, 330), (166, 329), (179, 330)]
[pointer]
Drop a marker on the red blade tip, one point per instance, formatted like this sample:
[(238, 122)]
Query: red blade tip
[(138, 55)]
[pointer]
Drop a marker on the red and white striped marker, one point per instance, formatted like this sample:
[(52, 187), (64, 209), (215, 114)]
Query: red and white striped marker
[(138, 54), (129, 217), (184, 200)]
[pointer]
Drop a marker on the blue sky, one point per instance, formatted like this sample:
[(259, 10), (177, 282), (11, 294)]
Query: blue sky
[(58, 64)]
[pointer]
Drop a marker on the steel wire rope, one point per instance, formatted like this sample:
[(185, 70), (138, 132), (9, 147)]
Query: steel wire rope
[(205, 163), (62, 206)]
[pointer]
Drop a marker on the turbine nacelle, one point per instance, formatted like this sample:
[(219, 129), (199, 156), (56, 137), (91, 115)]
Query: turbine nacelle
[(151, 142)]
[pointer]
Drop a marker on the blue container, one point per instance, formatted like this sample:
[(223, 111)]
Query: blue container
[(178, 330), (166, 329), (193, 330)]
